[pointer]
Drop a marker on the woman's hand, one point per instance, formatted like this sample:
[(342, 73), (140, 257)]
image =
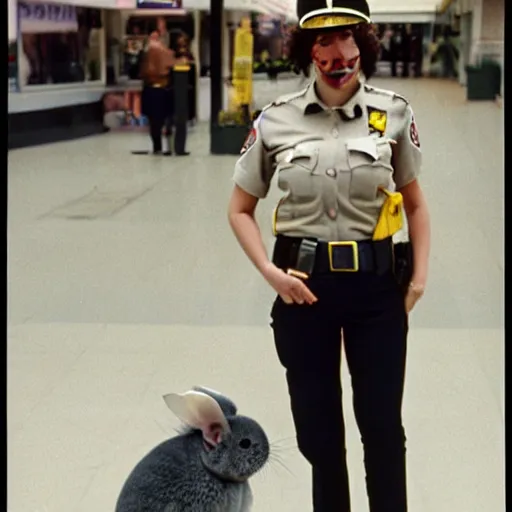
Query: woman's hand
[(290, 289), (413, 295)]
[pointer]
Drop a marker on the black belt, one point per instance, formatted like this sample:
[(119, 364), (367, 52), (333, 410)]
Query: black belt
[(303, 256)]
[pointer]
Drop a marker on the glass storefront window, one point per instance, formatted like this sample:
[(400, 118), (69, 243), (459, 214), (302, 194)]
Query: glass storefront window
[(59, 47), (271, 44)]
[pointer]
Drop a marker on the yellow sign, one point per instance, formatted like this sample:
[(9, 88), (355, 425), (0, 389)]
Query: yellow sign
[(243, 63)]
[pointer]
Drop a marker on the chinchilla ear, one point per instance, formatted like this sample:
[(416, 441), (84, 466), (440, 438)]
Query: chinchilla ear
[(226, 404), (200, 411)]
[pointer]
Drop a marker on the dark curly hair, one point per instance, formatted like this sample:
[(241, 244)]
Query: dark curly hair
[(302, 41)]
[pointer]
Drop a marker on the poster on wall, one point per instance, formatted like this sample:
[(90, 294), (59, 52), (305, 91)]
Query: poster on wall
[(44, 18)]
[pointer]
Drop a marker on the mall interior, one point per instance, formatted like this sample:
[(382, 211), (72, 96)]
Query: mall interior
[(125, 281)]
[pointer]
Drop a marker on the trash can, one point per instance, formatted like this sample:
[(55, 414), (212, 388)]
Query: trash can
[(228, 139), (484, 81)]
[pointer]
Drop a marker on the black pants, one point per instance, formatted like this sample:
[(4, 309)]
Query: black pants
[(418, 68), (155, 132), (370, 310), (405, 69), (177, 133)]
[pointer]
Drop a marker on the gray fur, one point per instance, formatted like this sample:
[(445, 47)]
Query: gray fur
[(181, 475)]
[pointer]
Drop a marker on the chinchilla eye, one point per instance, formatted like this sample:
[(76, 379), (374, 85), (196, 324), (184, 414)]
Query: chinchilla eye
[(245, 444)]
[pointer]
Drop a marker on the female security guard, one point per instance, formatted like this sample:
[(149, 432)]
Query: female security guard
[(347, 156)]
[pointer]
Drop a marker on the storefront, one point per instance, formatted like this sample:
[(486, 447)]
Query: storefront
[(58, 67), (59, 45), (272, 36)]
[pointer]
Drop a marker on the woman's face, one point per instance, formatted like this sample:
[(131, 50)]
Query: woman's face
[(336, 58)]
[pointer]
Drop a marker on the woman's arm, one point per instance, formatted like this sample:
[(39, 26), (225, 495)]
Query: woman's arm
[(241, 218), (419, 234)]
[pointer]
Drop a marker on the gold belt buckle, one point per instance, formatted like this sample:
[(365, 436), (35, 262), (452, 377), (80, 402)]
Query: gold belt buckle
[(355, 256)]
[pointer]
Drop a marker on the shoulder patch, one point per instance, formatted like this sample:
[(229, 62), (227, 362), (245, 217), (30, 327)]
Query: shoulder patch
[(413, 132), (250, 140)]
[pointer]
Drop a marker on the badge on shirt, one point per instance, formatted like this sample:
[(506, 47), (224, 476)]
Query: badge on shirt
[(415, 138), (249, 141), (377, 121)]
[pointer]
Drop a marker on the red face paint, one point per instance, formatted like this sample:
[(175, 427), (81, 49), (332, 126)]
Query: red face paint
[(336, 57)]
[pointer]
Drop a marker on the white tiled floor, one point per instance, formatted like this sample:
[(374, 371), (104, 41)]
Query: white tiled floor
[(147, 292)]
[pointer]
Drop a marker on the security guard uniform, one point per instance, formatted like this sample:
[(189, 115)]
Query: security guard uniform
[(331, 163), (333, 166)]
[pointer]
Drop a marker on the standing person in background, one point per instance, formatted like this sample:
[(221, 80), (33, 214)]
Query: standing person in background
[(175, 127), (184, 54), (156, 98), (417, 52), (395, 49), (163, 33), (448, 54), (406, 50), (385, 42)]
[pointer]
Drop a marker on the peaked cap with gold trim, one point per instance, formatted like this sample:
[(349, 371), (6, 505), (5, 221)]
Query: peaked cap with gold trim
[(332, 13)]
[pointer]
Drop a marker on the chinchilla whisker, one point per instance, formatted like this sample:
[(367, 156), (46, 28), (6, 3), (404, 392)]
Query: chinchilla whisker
[(263, 473), (283, 449), (275, 458), (279, 442), (270, 467)]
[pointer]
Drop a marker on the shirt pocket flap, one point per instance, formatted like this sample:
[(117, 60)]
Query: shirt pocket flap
[(366, 145), (302, 157)]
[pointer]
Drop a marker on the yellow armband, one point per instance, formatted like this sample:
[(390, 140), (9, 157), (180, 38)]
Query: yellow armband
[(391, 216)]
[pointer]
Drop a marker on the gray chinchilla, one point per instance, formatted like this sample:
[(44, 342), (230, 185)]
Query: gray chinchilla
[(204, 469)]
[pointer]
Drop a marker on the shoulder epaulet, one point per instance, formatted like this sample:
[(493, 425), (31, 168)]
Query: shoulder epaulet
[(286, 98), (390, 94)]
